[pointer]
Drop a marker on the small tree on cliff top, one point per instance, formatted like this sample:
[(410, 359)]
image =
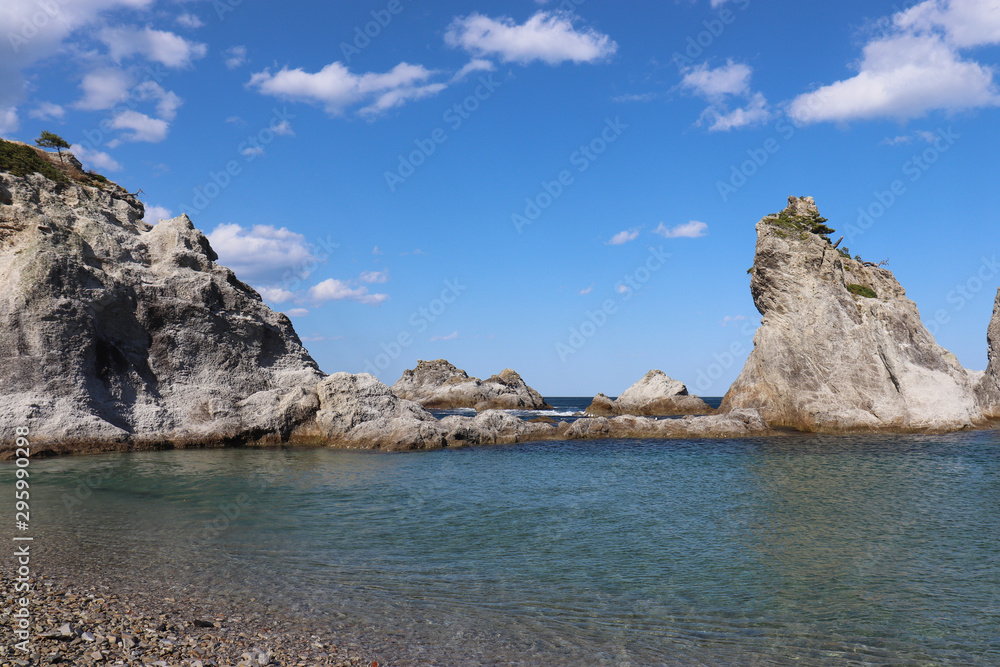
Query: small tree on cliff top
[(51, 140)]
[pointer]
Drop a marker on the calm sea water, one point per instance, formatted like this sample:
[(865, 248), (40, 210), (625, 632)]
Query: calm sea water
[(791, 550)]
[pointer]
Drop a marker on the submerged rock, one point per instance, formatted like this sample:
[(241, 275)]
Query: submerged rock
[(438, 384), (118, 333), (840, 347), (656, 394), (988, 386)]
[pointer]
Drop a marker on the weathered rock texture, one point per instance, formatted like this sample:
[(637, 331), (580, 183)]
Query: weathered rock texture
[(988, 387), (116, 332), (829, 358), (655, 395), (438, 384)]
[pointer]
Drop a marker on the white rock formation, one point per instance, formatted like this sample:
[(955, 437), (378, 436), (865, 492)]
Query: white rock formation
[(438, 384), (988, 386), (840, 347), (656, 394), (118, 334)]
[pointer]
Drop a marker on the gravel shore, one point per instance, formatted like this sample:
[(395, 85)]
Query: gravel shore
[(76, 621)]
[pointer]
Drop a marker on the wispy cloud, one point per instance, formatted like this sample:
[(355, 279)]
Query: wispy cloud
[(624, 237), (686, 230), (452, 336)]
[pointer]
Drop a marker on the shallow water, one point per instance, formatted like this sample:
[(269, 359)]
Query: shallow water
[(805, 550)]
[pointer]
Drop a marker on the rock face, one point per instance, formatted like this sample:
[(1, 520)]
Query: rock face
[(988, 387), (116, 332), (655, 395), (438, 384), (840, 347)]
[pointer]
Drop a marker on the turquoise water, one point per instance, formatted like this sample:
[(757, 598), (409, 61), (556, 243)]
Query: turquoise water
[(791, 550)]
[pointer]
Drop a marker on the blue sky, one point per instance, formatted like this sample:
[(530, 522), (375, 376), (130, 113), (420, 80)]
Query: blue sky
[(569, 190)]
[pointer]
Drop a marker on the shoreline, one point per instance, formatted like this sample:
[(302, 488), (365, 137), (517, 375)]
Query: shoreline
[(81, 618)]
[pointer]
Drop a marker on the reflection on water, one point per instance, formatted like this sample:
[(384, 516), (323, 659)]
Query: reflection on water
[(798, 549)]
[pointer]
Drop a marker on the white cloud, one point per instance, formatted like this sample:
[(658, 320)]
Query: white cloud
[(965, 23), (622, 289), (732, 318), (687, 230), (48, 111), (9, 121), (236, 120), (474, 65), (587, 290), (160, 46), (284, 128), (252, 151), (297, 312), (332, 289), (275, 294), (336, 88), (103, 89), (376, 251), (190, 21), (263, 255), (95, 159), (156, 213), (755, 112), (624, 237), (167, 102), (49, 25), (546, 36), (374, 277), (235, 56), (452, 336), (720, 84), (140, 127), (729, 79), (915, 68)]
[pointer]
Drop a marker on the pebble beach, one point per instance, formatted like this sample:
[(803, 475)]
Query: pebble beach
[(79, 621)]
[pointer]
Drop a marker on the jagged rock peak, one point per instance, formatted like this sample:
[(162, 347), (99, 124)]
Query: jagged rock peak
[(840, 347), (129, 334), (988, 387)]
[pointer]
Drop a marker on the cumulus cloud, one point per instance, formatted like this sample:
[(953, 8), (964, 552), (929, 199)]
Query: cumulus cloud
[(549, 37), (235, 56), (915, 68), (190, 21), (103, 88), (34, 31), (263, 255), (48, 111), (336, 88), (687, 230), (276, 294), (624, 237), (297, 312), (156, 213), (729, 79), (9, 121), (166, 48), (374, 277), (140, 127), (95, 159), (332, 289), (719, 86)]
